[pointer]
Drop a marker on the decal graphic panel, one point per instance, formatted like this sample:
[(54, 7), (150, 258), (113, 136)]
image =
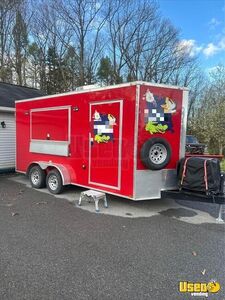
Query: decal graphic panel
[(158, 113), (103, 127)]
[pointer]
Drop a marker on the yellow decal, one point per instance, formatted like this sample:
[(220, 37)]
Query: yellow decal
[(199, 288), (102, 138)]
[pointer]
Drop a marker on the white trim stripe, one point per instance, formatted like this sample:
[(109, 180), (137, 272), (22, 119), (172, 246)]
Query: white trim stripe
[(104, 88), (50, 108), (183, 127), (136, 137)]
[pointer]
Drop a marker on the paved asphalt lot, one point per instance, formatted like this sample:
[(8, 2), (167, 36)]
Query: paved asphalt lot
[(50, 249)]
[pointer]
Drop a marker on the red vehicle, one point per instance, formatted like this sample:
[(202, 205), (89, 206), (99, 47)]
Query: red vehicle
[(124, 139)]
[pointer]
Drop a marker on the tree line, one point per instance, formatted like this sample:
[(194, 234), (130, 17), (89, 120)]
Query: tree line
[(58, 45), (61, 44), (207, 120)]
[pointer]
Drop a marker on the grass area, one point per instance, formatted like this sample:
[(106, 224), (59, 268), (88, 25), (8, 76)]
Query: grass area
[(222, 165)]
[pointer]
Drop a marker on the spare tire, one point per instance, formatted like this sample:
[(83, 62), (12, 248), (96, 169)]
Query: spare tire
[(156, 153)]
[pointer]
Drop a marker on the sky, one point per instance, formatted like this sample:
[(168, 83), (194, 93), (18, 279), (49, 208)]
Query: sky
[(202, 27)]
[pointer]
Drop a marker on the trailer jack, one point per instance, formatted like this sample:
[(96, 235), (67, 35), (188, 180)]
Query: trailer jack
[(221, 211)]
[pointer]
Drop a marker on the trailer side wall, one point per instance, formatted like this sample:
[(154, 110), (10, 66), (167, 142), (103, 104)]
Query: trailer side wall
[(77, 124)]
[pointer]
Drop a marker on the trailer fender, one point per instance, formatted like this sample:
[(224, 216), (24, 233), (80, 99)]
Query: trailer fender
[(63, 170)]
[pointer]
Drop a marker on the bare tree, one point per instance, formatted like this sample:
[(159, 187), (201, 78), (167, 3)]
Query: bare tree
[(50, 32), (143, 45), (20, 39), (208, 122), (7, 16), (86, 21), (59, 44)]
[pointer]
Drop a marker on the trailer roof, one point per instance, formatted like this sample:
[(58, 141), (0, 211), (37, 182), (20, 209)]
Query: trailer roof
[(11, 92), (100, 88)]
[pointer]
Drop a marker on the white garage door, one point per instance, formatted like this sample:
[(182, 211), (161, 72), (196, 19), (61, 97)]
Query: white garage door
[(7, 141)]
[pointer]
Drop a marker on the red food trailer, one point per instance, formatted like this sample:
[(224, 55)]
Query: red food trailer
[(124, 139)]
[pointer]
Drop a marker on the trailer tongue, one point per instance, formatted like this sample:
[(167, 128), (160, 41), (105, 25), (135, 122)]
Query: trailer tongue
[(199, 179), (194, 196)]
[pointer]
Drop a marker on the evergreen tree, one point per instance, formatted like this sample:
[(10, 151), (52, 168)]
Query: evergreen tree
[(105, 71), (71, 66), (20, 39), (55, 80), (34, 53)]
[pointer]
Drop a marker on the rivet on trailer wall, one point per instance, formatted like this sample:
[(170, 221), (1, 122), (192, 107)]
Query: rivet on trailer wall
[(3, 124)]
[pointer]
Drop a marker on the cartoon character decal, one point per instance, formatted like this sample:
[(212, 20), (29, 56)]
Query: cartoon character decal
[(158, 113), (103, 127)]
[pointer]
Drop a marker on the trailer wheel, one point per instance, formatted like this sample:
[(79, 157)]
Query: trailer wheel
[(37, 177), (54, 182), (156, 153)]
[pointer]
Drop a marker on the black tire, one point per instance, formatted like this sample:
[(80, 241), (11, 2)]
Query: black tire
[(54, 182), (37, 177), (156, 153)]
